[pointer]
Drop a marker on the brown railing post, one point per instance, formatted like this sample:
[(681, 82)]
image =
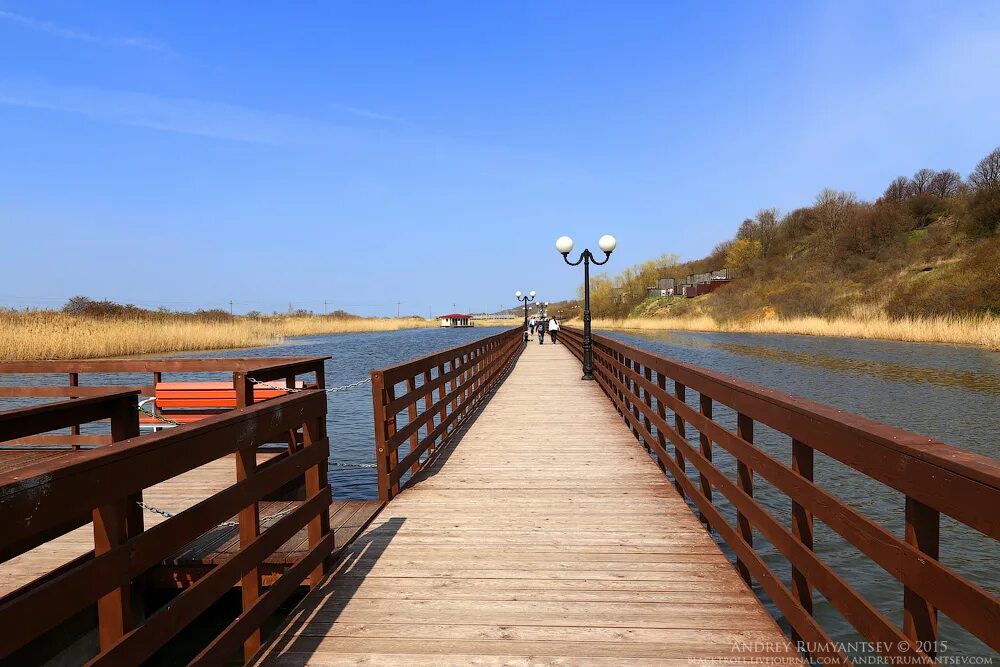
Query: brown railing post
[(679, 392), (157, 379), (249, 516), (802, 528), (411, 411), (125, 425), (114, 524), (392, 453), (633, 389), (456, 383), (428, 402), (920, 623), (744, 480), (115, 610), (383, 458), (74, 381), (442, 392), (316, 482), (661, 410), (381, 437), (705, 406), (647, 373)]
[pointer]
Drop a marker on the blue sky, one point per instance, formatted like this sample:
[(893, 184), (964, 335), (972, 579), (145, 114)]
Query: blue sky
[(365, 153)]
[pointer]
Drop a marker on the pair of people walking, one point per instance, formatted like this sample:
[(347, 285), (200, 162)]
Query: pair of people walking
[(552, 326)]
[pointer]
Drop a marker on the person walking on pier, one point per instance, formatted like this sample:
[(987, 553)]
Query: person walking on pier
[(540, 328), (553, 329), (531, 326)]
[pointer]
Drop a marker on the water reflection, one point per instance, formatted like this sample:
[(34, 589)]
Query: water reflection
[(983, 382)]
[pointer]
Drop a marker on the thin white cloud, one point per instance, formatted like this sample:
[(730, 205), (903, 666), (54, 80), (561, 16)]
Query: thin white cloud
[(68, 32), (171, 114), (364, 113)]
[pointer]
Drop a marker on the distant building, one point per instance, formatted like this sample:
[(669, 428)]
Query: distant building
[(456, 320), (664, 287), (704, 283)]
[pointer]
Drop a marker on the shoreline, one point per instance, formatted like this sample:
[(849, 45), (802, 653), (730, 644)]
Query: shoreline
[(38, 335), (976, 331)]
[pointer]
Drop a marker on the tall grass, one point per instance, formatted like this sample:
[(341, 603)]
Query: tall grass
[(55, 335), (864, 322)]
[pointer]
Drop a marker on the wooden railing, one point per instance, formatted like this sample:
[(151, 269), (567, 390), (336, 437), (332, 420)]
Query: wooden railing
[(105, 484), (421, 403), (652, 395), (280, 370), (117, 407)]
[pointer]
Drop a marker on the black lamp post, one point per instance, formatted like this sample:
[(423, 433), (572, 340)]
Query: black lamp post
[(564, 245), (530, 296)]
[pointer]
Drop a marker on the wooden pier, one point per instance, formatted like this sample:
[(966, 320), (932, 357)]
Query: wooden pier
[(525, 517), (544, 535)]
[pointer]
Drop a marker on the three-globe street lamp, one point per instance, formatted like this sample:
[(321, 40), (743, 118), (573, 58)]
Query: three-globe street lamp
[(530, 296), (564, 245)]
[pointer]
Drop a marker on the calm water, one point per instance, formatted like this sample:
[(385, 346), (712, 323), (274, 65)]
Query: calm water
[(349, 419), (949, 393)]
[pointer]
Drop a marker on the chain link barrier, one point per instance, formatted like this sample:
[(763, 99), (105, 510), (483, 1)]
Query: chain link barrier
[(160, 417), (293, 390), (259, 383), (226, 524)]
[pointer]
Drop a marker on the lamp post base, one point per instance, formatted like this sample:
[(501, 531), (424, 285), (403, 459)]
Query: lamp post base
[(587, 376)]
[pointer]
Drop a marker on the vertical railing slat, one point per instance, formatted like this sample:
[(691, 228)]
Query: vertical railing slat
[(923, 528), (680, 392), (802, 527), (744, 480), (705, 407)]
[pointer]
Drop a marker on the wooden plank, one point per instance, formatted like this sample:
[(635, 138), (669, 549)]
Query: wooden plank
[(560, 542)]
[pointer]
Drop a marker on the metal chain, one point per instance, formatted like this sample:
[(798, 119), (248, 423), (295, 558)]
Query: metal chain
[(160, 417), (227, 524), (330, 390)]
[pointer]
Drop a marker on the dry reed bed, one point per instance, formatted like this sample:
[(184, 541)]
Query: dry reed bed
[(54, 335), (980, 330)]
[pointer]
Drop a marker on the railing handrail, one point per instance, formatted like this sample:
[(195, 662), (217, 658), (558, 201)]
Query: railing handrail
[(462, 376), (933, 477), (260, 369), (156, 457), (165, 365), (399, 372), (33, 419)]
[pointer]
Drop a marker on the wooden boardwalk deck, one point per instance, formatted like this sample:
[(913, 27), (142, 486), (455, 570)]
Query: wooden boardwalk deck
[(543, 536), (175, 495)]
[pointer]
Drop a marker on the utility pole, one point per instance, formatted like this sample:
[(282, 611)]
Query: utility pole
[(397, 309), (325, 309), (230, 308)]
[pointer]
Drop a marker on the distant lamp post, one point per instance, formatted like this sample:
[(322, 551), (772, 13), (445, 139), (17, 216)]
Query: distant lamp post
[(530, 296), (564, 245)]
